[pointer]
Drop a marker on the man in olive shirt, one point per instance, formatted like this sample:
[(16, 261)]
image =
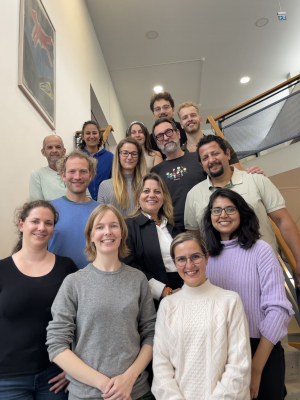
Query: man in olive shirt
[(191, 121)]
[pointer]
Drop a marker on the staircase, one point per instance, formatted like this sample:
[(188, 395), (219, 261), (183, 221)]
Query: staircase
[(292, 371)]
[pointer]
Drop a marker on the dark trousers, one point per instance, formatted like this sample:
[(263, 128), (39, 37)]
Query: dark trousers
[(272, 385)]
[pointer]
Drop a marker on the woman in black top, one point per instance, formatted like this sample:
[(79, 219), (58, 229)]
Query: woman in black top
[(150, 233), (29, 282)]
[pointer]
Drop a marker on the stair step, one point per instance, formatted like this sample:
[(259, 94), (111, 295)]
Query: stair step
[(293, 390)]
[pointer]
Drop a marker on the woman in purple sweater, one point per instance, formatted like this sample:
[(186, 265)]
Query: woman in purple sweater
[(239, 261)]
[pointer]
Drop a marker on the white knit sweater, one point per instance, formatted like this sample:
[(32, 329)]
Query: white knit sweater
[(201, 346)]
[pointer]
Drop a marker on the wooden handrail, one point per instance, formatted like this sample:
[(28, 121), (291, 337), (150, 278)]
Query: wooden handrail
[(284, 247), (254, 99), (215, 127), (105, 130)]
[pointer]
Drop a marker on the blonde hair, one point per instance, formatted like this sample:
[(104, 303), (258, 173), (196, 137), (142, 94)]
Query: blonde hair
[(166, 209), (97, 214), (61, 163), (187, 104), (118, 180)]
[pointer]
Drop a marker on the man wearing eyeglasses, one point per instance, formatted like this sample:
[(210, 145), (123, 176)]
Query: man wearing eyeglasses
[(162, 105), (256, 189), (181, 171)]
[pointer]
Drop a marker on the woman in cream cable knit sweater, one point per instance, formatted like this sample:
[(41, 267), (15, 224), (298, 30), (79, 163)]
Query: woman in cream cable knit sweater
[(241, 262), (201, 343)]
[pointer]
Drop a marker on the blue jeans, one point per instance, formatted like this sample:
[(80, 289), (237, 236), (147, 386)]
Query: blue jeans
[(32, 387)]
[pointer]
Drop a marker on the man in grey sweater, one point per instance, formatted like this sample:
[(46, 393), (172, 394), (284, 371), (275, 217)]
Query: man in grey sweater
[(107, 317)]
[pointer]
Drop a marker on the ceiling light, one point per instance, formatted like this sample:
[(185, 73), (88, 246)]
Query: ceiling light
[(261, 22), (246, 79), (152, 34), (158, 89)]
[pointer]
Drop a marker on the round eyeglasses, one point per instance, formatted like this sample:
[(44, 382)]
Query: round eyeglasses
[(195, 258), (218, 210)]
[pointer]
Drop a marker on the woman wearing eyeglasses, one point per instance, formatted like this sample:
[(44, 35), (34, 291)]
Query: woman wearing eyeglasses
[(139, 131), (239, 261), (201, 343), (128, 168)]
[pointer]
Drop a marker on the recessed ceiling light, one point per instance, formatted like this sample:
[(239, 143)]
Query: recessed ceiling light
[(152, 34), (261, 22), (246, 79), (158, 89)]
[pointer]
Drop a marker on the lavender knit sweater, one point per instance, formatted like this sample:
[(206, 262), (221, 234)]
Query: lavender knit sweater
[(256, 275)]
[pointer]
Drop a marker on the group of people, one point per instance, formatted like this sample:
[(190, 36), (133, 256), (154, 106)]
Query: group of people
[(169, 224)]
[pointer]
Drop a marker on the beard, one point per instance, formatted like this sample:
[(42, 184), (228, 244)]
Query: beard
[(170, 148), (217, 173)]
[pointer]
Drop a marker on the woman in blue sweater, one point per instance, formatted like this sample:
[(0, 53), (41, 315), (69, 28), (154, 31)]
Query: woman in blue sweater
[(92, 143)]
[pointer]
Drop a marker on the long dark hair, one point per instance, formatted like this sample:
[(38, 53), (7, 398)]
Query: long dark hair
[(145, 131), (82, 143), (247, 232), (23, 212)]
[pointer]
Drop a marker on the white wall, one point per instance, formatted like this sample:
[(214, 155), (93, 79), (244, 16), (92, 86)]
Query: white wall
[(79, 63), (275, 162)]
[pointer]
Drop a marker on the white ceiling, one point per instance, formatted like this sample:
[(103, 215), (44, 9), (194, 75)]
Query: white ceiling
[(221, 31)]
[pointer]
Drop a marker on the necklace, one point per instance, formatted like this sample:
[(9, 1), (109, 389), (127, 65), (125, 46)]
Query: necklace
[(192, 145)]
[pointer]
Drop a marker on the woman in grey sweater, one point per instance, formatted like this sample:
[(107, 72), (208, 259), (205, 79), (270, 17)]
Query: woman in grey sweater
[(106, 312), (129, 166)]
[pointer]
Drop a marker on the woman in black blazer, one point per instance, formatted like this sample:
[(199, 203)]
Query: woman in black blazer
[(150, 233)]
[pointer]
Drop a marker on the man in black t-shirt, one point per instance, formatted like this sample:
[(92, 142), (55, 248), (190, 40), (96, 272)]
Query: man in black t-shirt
[(181, 171), (162, 105)]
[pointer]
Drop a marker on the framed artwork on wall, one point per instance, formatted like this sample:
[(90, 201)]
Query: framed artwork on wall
[(37, 58)]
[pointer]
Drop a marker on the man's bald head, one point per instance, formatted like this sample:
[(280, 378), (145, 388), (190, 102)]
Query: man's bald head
[(53, 149)]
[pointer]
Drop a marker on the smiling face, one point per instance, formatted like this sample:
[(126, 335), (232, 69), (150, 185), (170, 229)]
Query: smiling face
[(53, 149), (38, 227), (128, 163), (224, 223), (151, 199), (77, 175), (106, 234), (190, 120), (193, 273), (136, 132), (214, 161), (91, 136), (162, 109)]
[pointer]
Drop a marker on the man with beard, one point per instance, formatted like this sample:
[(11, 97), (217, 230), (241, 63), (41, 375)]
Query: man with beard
[(45, 182), (257, 190), (181, 171), (191, 121), (162, 105)]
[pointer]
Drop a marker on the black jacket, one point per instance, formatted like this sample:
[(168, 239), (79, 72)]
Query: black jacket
[(144, 248)]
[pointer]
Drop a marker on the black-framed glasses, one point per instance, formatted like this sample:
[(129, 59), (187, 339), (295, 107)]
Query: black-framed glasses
[(164, 108), (195, 258), (160, 137), (218, 210), (125, 153)]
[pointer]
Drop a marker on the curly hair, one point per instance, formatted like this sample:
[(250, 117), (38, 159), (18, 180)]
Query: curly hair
[(166, 209), (161, 96), (82, 143), (61, 163), (186, 237), (23, 212), (96, 215), (247, 232)]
